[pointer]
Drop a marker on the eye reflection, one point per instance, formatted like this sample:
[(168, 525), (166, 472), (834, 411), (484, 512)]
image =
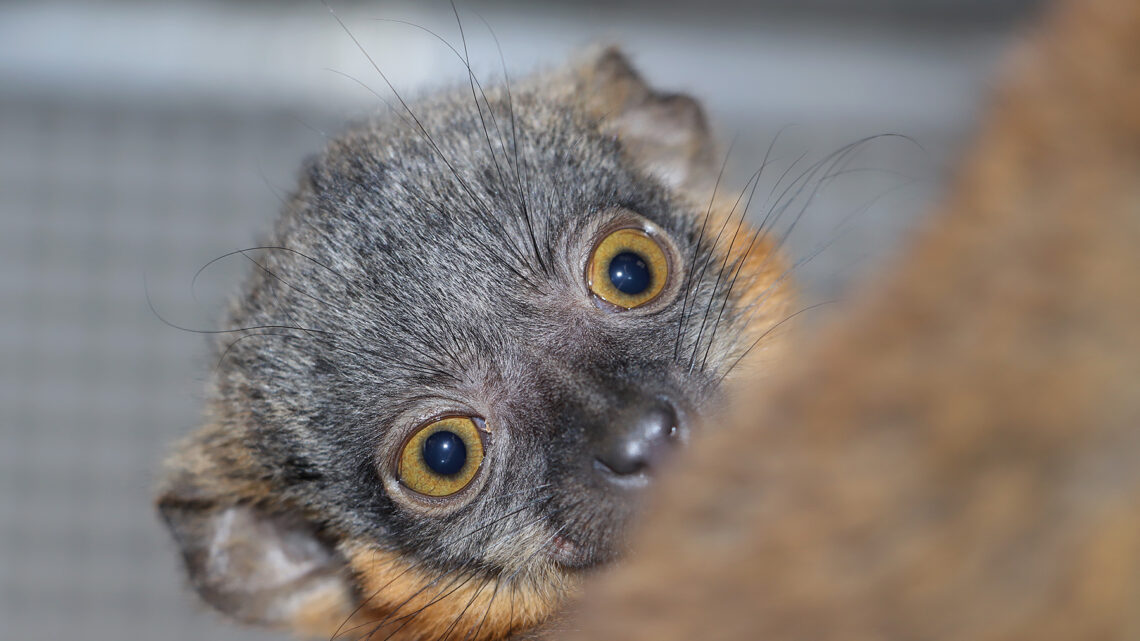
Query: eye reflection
[(629, 273), (442, 457), (444, 452), (627, 269)]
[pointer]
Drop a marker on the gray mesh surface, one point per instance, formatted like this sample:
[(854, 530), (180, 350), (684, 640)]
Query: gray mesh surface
[(92, 385)]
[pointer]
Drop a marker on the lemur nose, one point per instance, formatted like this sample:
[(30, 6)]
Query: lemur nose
[(638, 439)]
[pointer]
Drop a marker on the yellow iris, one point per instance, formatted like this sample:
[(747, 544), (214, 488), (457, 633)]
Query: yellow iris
[(417, 473), (599, 275)]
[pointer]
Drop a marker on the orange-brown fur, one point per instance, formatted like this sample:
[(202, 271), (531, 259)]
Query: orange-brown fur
[(959, 457), (470, 606), (763, 280)]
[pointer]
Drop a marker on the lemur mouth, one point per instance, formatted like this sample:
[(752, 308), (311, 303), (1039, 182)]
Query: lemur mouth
[(569, 554)]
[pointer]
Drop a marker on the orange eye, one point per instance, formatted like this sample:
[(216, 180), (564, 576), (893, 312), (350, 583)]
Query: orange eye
[(442, 457), (627, 269)]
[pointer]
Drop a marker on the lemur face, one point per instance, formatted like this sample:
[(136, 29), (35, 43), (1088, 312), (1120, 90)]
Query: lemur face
[(479, 329)]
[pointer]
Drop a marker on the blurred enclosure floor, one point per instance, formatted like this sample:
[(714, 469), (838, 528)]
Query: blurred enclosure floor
[(138, 141)]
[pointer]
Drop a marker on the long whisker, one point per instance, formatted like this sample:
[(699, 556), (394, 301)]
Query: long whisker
[(459, 617), (364, 603), (767, 332), (477, 202), (522, 178), (494, 120), (753, 307), (502, 517), (168, 323), (444, 593), (728, 293), (688, 282), (391, 616), (755, 181), (473, 633)]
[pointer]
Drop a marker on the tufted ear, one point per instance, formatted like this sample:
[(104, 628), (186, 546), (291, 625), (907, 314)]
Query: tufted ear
[(666, 132), (253, 561)]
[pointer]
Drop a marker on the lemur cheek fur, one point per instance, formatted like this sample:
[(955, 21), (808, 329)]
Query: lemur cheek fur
[(468, 605)]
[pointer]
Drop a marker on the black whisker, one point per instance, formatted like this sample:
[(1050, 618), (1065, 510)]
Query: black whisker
[(445, 592), (521, 175), (368, 600), (473, 633), (688, 282), (502, 517), (168, 323), (737, 269), (198, 274), (490, 148), (766, 333), (478, 203), (459, 617), (377, 626), (755, 181)]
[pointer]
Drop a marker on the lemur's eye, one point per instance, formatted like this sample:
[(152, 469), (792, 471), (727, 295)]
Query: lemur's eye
[(627, 269), (442, 457)]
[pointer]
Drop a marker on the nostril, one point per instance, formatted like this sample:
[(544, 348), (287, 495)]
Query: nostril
[(618, 467), (638, 439)]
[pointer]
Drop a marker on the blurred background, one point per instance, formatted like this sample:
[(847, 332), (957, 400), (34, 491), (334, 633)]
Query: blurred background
[(141, 140)]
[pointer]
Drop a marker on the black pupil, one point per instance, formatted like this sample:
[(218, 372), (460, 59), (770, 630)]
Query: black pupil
[(445, 453), (629, 273)]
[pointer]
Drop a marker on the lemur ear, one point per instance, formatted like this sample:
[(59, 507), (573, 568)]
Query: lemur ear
[(253, 562), (666, 132)]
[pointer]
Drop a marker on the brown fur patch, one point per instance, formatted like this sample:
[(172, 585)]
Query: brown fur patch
[(402, 601), (762, 284), (323, 612)]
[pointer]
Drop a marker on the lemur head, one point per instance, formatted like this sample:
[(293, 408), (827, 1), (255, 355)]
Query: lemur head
[(478, 328)]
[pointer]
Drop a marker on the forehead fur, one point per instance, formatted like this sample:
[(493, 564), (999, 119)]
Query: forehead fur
[(438, 228)]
